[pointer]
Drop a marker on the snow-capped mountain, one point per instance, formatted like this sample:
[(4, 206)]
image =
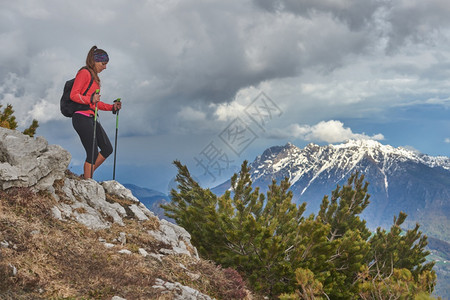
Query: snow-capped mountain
[(337, 160), (399, 179)]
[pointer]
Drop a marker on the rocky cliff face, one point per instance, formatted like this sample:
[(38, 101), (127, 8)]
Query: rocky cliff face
[(31, 163)]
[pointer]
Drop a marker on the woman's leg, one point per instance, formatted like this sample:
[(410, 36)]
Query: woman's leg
[(106, 149), (87, 166), (104, 144), (87, 170), (84, 126)]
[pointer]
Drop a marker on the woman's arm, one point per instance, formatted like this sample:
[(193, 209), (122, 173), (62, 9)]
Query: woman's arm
[(80, 85)]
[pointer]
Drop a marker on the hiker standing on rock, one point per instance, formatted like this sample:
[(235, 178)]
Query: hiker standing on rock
[(87, 91)]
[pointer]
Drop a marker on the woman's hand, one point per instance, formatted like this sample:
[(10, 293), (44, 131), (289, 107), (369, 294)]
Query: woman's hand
[(95, 98), (117, 105)]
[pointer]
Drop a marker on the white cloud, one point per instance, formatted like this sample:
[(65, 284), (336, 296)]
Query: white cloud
[(228, 111), (45, 111), (447, 140), (326, 131)]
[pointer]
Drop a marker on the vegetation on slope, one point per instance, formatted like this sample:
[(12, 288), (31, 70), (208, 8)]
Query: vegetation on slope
[(331, 255), (44, 258)]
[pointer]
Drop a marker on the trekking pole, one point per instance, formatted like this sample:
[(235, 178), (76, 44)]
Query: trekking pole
[(94, 137), (115, 142)]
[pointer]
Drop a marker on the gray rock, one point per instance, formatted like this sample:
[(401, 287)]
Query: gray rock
[(158, 257), (175, 236), (56, 213), (179, 291), (138, 212), (115, 188), (143, 252), (89, 205), (13, 270), (122, 239), (30, 162)]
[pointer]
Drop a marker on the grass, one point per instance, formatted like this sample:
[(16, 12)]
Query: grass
[(65, 260)]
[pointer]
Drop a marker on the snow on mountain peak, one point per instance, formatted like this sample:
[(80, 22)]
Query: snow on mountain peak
[(293, 162)]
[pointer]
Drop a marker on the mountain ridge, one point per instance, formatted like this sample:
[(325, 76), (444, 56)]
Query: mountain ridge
[(372, 149), (399, 179)]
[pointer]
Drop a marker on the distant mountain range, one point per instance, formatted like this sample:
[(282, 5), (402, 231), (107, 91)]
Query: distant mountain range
[(399, 180)]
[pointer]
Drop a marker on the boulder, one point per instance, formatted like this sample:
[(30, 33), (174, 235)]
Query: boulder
[(85, 201), (30, 162), (175, 236), (179, 291)]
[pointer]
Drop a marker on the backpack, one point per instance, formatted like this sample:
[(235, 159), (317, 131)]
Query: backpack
[(69, 107)]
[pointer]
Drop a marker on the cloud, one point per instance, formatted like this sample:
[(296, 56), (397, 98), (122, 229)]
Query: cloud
[(396, 22), (352, 12), (191, 114), (326, 131), (176, 53), (447, 140), (228, 111), (189, 67)]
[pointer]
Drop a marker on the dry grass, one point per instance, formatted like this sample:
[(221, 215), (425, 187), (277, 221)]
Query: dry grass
[(65, 260)]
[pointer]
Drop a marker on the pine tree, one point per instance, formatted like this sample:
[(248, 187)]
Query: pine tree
[(243, 228), (30, 131), (280, 252), (8, 120), (397, 252), (347, 236), (309, 287), (194, 209)]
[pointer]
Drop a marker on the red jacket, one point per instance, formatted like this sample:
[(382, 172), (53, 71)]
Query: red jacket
[(79, 87)]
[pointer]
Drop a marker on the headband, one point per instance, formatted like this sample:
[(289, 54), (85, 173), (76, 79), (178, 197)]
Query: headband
[(100, 56)]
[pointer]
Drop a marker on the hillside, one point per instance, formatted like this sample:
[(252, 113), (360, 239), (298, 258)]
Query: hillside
[(62, 237)]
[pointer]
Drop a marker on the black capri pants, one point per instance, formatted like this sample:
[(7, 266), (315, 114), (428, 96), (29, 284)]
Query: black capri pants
[(84, 126)]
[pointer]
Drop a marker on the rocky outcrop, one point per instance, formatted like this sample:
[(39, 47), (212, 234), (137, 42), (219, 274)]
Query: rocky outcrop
[(99, 205), (30, 162)]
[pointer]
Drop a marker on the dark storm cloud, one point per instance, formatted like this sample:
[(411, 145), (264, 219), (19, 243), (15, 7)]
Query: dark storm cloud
[(355, 13), (171, 56), (412, 21)]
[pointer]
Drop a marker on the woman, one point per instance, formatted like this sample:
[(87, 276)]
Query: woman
[(83, 120)]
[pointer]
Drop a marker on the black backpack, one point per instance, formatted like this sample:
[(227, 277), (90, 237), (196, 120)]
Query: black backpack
[(69, 107)]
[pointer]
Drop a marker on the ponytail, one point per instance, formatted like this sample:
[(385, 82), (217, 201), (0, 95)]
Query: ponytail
[(91, 59)]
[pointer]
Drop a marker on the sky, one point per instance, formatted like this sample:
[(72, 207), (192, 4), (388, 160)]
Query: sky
[(213, 83)]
